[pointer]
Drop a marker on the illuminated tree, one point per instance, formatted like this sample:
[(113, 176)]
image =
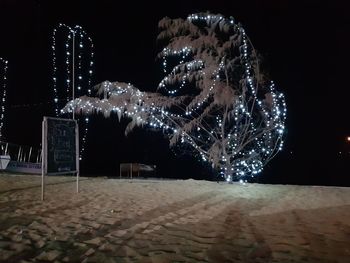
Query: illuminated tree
[(213, 98)]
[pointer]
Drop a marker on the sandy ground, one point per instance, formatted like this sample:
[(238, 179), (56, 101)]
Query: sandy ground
[(113, 220)]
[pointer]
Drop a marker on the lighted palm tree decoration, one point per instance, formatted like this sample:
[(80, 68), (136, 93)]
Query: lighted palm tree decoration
[(213, 97)]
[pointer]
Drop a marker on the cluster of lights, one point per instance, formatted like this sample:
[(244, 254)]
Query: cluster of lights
[(183, 53), (173, 76), (270, 139), (208, 18), (73, 37), (3, 78), (225, 123)]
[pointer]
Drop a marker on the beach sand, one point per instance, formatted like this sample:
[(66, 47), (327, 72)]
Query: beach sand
[(113, 220)]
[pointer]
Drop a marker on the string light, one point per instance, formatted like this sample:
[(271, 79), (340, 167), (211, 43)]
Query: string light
[(84, 45), (3, 77), (234, 120)]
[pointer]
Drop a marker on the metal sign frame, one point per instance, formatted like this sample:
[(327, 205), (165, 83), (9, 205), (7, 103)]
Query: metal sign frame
[(44, 165)]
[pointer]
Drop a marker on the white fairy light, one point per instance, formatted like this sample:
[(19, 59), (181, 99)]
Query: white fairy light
[(3, 79), (84, 45)]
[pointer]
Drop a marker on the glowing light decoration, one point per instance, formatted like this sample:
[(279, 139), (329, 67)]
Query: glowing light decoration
[(3, 85), (214, 100), (73, 63)]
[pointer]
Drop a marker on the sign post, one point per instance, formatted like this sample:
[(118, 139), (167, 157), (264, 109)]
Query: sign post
[(77, 153), (60, 149)]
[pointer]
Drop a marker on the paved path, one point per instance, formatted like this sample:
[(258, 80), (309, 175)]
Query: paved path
[(170, 221)]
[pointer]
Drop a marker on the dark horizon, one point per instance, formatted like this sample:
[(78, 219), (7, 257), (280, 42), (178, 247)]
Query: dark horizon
[(304, 46)]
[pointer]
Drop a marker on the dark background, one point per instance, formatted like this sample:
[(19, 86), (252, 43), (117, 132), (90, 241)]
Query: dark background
[(305, 45)]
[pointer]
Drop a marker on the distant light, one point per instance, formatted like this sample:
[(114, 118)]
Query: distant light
[(348, 138)]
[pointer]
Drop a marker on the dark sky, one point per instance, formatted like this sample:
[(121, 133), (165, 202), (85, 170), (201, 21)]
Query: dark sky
[(305, 45)]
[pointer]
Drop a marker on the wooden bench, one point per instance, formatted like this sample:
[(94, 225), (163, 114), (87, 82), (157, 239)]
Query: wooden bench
[(131, 168)]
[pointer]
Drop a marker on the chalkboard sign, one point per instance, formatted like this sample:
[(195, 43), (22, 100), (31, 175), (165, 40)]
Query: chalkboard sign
[(60, 144)]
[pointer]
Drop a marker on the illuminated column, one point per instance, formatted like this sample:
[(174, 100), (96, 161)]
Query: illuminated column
[(73, 69), (4, 68)]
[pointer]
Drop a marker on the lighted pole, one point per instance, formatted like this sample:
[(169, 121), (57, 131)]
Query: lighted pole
[(73, 70), (70, 69), (3, 94)]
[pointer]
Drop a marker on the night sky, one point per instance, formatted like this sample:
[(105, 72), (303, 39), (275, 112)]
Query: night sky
[(305, 46)]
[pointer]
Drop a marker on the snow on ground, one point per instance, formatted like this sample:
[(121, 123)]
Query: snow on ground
[(113, 220)]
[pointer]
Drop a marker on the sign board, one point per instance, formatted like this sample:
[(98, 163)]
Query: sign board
[(60, 149), (61, 145)]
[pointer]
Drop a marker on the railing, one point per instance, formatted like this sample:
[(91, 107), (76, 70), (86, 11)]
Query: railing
[(21, 153)]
